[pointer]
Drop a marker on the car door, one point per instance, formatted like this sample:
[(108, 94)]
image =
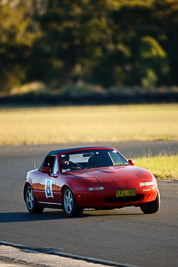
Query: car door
[(53, 186), (47, 182)]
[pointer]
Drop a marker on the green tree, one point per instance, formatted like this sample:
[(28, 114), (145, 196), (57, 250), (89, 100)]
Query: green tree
[(107, 42), (16, 40)]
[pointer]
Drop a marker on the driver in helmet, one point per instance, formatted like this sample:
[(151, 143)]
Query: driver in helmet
[(65, 164)]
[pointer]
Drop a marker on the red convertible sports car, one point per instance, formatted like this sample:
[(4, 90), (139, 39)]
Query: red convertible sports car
[(90, 177)]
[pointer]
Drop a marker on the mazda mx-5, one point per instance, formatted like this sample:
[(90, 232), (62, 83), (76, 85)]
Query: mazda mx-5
[(90, 177)]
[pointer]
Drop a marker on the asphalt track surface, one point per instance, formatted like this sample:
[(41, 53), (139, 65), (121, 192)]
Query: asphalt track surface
[(125, 235)]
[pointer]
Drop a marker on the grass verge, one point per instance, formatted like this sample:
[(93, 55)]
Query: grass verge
[(162, 166), (51, 125)]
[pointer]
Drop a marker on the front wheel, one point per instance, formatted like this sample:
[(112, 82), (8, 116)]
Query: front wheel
[(70, 206), (151, 207), (32, 204)]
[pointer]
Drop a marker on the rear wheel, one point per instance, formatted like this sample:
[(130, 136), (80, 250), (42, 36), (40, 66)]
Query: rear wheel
[(151, 207), (32, 204), (70, 206)]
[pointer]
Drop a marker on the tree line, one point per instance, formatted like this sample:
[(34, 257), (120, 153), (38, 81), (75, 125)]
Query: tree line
[(106, 42)]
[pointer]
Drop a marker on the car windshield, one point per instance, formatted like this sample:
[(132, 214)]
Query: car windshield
[(95, 158)]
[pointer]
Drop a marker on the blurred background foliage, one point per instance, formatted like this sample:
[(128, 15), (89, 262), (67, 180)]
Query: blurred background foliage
[(108, 43)]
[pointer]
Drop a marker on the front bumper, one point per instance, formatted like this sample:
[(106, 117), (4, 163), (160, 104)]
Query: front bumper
[(103, 199)]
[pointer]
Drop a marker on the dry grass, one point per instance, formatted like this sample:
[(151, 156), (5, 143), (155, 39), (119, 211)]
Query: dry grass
[(88, 124), (162, 166)]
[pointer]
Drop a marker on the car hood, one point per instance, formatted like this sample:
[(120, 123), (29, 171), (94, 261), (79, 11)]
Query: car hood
[(118, 174)]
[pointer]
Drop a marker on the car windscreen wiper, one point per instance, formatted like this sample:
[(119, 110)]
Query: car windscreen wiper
[(122, 164)]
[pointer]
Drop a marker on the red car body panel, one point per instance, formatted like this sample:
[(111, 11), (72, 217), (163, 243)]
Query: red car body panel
[(115, 178), (79, 181)]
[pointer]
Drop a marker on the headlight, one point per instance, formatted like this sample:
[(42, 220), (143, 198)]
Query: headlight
[(146, 184), (96, 188)]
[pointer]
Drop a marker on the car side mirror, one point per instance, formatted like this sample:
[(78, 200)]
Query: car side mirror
[(46, 170), (131, 162)]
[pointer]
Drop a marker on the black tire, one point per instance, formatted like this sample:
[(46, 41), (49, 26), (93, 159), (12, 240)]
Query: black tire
[(31, 203), (151, 207), (70, 206)]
